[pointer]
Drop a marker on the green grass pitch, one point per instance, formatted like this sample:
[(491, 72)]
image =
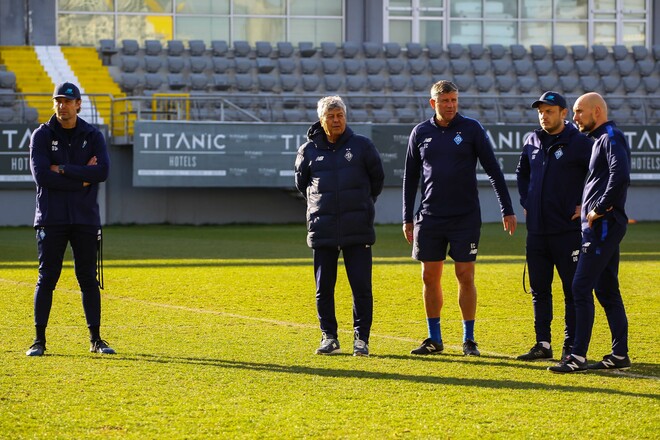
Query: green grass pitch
[(215, 329)]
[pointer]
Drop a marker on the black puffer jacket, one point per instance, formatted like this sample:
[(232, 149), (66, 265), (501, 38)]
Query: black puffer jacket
[(340, 183)]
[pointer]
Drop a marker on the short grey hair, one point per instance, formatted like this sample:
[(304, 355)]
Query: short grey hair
[(328, 103), (441, 87)]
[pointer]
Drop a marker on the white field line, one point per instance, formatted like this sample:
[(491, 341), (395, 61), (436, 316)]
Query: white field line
[(287, 323)]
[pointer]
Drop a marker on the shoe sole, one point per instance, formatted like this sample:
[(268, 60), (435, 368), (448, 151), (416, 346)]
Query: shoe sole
[(426, 353), (535, 359), (568, 372), (608, 369), (337, 351), (360, 354)]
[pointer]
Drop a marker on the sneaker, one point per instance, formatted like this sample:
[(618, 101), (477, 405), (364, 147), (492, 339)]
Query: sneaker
[(566, 350), (569, 365), (36, 349), (609, 362), (360, 348), (328, 346), (535, 353), (470, 348), (429, 346), (100, 346)]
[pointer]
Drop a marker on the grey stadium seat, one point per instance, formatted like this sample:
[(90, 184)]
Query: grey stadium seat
[(310, 83), (518, 51), (463, 82), (599, 52), (175, 64), (129, 63), (241, 48), (620, 52), (413, 50), (559, 52), (630, 83), (584, 67), (543, 67), (392, 50), (434, 50), (222, 64), (476, 51), (417, 66), (484, 83), (376, 83), (244, 82), (459, 66), (522, 67), (355, 83), (651, 84), (176, 81), (7, 79), (329, 49), (610, 83), (286, 65), (438, 66), (242, 65), (646, 67), (350, 49), (197, 48), (504, 83), (374, 66), (640, 52), (198, 64), (538, 51), (6, 114), (309, 65), (625, 67), (199, 81), (266, 82), (265, 65), (129, 47), (547, 82), (221, 81), (526, 84), (219, 48), (330, 65), (7, 97), (289, 82), (501, 67), (480, 67), (284, 49), (152, 64), (175, 48), (398, 83), (395, 66), (564, 67), (497, 51), (605, 67), (590, 83), (263, 49), (372, 50), (455, 50), (153, 47), (152, 81), (421, 83), (569, 84), (352, 66), (306, 49), (130, 82), (333, 82), (579, 51)]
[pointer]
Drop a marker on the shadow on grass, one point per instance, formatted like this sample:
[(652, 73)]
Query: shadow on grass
[(362, 374)]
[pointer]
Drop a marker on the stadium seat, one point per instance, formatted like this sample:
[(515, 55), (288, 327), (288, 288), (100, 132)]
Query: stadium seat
[(284, 49), (480, 67), (522, 66), (152, 81), (355, 83), (547, 82), (242, 65), (455, 51), (610, 83), (484, 83), (458, 66), (294, 115), (265, 65), (7, 97), (501, 67), (559, 52), (414, 50), (372, 50), (504, 83), (107, 49), (310, 82), (543, 67), (406, 115), (263, 49), (463, 82), (470, 113), (438, 66), (288, 82), (129, 47), (579, 52), (350, 49), (153, 47), (222, 64), (538, 52), (526, 84), (395, 66), (640, 53), (199, 81), (599, 52), (266, 82), (241, 48), (333, 83), (221, 81), (6, 114), (374, 65), (381, 116), (199, 64), (244, 82), (175, 48), (569, 84), (476, 51), (219, 48), (589, 83), (330, 65), (651, 84), (497, 51), (620, 52), (309, 65), (417, 66), (434, 50), (353, 66), (656, 52), (625, 67), (487, 104), (129, 63), (646, 67), (585, 67), (392, 50), (375, 83), (175, 81), (398, 83), (358, 101), (328, 49), (152, 64), (358, 115), (7, 79), (564, 67), (630, 83), (605, 67), (196, 48), (421, 83), (286, 65), (175, 64), (517, 51)]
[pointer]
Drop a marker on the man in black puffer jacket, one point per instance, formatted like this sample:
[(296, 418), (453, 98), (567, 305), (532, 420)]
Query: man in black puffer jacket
[(340, 175)]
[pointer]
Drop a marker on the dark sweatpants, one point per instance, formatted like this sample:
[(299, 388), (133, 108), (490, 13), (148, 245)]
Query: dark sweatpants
[(598, 270), (544, 253), (51, 244), (358, 262)]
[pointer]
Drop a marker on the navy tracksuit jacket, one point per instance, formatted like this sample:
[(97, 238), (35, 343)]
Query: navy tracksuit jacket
[(550, 175)]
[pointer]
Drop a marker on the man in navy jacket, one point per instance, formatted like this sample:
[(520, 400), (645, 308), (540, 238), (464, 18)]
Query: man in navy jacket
[(340, 175), (604, 223), (550, 174), (442, 154), (68, 160)]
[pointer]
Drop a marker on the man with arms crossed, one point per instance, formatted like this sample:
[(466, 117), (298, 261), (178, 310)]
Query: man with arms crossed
[(550, 174), (604, 223), (443, 152)]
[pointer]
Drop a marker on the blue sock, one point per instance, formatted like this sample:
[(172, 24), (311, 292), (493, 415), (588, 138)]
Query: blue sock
[(434, 329), (468, 330)]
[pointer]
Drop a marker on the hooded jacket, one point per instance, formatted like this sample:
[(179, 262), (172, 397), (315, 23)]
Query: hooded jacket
[(62, 199), (340, 183), (551, 174)]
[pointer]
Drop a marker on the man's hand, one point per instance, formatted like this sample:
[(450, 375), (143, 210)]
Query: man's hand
[(592, 217), (92, 161), (408, 232), (510, 222), (55, 168), (578, 209)]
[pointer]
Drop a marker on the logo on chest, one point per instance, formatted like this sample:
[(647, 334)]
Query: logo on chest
[(458, 139), (348, 156), (558, 153), (53, 146)]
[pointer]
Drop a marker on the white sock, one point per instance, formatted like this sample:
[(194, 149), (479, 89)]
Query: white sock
[(545, 345), (579, 358), (618, 357)]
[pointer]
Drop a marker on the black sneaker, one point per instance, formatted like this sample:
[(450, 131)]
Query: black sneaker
[(566, 350), (100, 346), (429, 346), (537, 352), (329, 345), (360, 348), (569, 365), (609, 362), (36, 349), (470, 348)]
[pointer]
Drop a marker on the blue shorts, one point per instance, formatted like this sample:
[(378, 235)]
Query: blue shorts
[(433, 235)]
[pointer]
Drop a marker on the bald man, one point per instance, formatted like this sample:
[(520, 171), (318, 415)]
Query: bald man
[(604, 223)]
